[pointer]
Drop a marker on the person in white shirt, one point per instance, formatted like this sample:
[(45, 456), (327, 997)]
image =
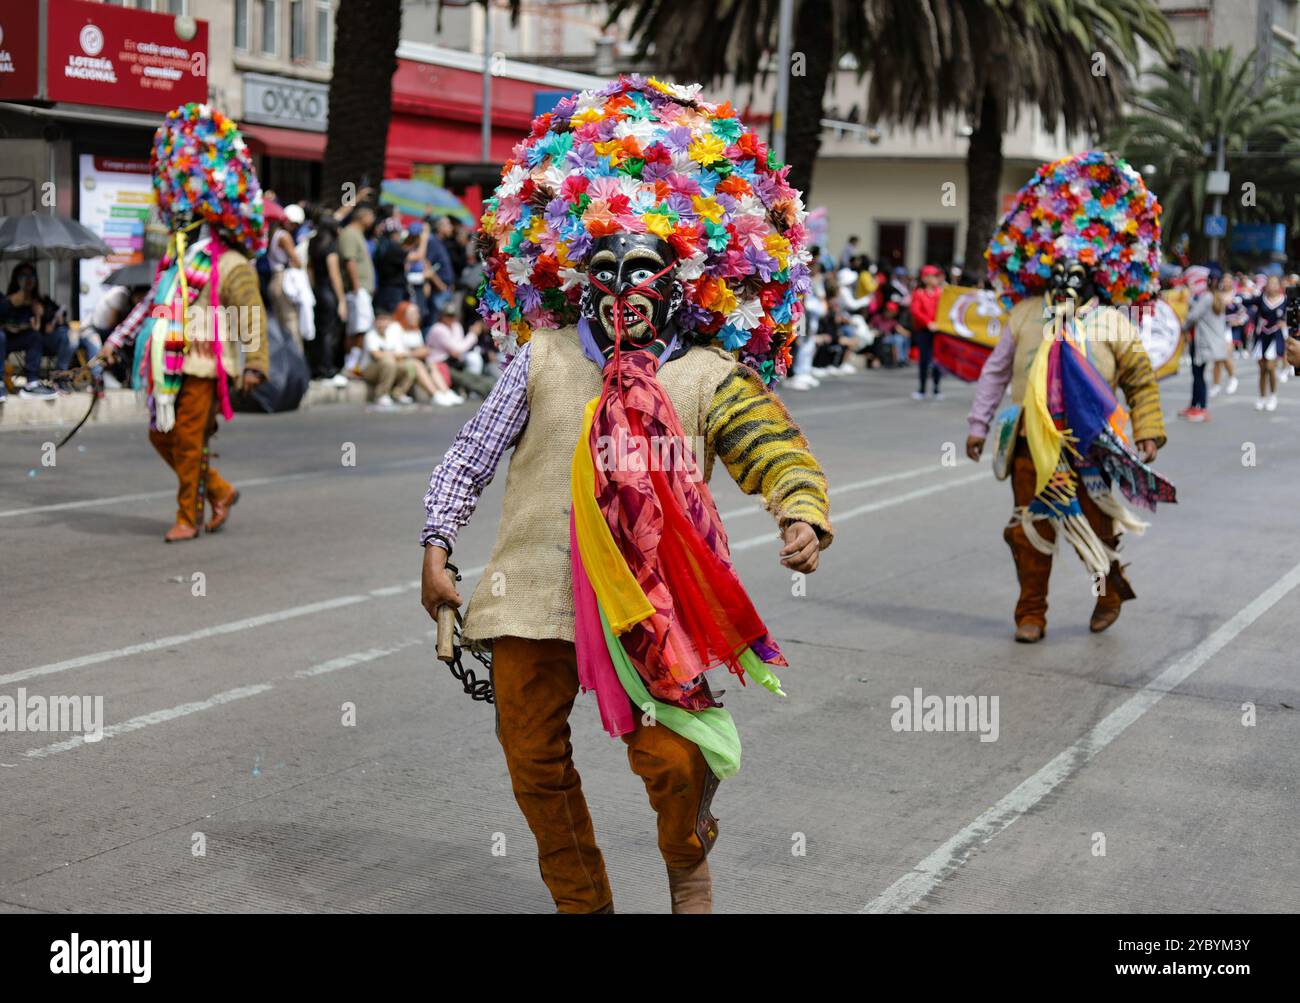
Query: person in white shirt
[(401, 346), (447, 340)]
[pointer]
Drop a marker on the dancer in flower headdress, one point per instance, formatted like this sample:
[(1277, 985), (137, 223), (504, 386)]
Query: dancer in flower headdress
[(1081, 243), (645, 264), (203, 326)]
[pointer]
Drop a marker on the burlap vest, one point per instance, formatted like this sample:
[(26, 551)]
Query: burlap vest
[(1103, 329), (526, 589)]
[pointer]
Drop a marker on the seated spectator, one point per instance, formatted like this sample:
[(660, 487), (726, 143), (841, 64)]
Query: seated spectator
[(403, 334), (34, 324), (456, 352), (833, 337), (115, 303)]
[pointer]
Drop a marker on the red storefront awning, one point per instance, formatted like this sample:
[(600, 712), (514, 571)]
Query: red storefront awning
[(437, 111), (294, 144)]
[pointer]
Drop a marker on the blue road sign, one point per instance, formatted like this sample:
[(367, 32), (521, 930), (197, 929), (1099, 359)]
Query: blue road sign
[(1216, 226)]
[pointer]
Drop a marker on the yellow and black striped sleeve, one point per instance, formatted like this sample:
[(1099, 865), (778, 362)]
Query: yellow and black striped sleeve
[(749, 430)]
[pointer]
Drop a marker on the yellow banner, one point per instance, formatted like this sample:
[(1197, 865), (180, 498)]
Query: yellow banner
[(976, 315)]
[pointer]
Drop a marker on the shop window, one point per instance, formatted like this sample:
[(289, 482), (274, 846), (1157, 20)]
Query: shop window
[(324, 33), (940, 243), (298, 30), (241, 25), (270, 27), (891, 245)]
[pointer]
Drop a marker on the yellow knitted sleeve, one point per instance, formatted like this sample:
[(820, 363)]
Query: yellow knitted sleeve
[(749, 429)]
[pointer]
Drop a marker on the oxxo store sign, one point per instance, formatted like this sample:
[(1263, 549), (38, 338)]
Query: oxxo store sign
[(291, 104)]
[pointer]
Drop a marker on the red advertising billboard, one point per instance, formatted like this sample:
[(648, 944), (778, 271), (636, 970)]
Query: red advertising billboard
[(19, 49), (117, 57)]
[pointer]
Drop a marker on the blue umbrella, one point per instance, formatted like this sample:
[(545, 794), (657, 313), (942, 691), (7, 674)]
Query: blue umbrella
[(417, 199)]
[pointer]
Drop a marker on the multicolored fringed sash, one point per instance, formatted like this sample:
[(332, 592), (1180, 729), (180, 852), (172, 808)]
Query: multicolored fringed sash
[(1074, 426), (160, 355)]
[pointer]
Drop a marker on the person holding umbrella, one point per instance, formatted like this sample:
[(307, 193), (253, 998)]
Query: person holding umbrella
[(34, 323)]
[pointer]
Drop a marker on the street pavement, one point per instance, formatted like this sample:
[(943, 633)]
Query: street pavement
[(1127, 774)]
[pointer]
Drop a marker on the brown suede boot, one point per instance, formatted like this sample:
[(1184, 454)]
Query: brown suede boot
[(691, 888), (180, 533), (221, 510), (1030, 633), (1118, 591)]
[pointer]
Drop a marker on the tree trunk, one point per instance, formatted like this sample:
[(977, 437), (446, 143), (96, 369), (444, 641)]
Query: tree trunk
[(983, 182), (813, 48), (366, 34)]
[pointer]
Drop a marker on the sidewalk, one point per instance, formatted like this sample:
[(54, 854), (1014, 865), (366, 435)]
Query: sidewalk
[(126, 405)]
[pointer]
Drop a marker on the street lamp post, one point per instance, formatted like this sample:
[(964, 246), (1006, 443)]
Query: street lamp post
[(487, 81), (784, 29), (1219, 187)]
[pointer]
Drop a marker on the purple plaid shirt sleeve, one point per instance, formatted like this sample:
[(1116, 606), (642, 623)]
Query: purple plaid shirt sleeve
[(470, 463), (992, 384)]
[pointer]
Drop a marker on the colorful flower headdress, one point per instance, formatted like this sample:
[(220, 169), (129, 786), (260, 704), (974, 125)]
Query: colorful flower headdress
[(1092, 207), (642, 156), (202, 168)]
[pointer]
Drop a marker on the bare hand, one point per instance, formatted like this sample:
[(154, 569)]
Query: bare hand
[(1147, 449), (343, 311), (250, 379), (436, 587), (974, 447), (1293, 352), (801, 551), (107, 356)]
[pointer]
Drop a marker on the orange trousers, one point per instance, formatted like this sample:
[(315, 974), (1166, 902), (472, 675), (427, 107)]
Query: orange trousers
[(536, 683), (183, 446), (1034, 568)]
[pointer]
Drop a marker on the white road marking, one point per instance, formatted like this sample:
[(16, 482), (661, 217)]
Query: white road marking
[(910, 889), (876, 506), (250, 482), (357, 658), (839, 489), (249, 623), (808, 412), (195, 707), (233, 627), (153, 717)]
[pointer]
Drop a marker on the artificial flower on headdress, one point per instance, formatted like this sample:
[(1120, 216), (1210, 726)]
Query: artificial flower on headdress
[(201, 168), (644, 156), (1095, 209), (1091, 207)]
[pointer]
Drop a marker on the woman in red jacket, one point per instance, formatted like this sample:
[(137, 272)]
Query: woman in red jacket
[(925, 308)]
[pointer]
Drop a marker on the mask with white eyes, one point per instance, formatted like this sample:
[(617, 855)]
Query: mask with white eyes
[(631, 288)]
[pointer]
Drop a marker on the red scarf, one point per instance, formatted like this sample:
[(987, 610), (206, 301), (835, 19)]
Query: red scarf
[(666, 525)]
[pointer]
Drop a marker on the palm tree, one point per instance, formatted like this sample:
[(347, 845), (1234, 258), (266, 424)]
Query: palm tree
[(987, 60), (983, 60), (710, 40), (366, 33), (1175, 127)]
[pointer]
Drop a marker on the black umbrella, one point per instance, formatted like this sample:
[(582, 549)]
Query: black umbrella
[(39, 236), (132, 275)]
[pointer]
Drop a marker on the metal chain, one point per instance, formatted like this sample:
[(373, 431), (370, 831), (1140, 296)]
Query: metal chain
[(478, 689)]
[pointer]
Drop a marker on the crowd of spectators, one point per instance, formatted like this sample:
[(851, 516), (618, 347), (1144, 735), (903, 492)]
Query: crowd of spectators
[(857, 316)]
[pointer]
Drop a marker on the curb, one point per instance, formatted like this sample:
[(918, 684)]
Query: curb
[(119, 406)]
